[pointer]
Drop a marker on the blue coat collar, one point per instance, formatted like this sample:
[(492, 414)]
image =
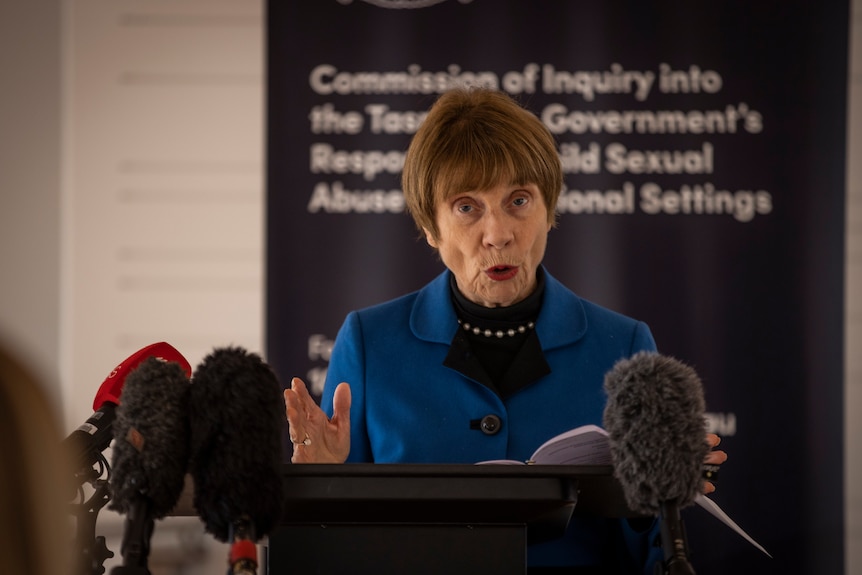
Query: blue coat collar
[(562, 320)]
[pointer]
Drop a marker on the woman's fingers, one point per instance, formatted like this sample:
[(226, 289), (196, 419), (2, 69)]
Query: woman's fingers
[(716, 457), (297, 409), (713, 459)]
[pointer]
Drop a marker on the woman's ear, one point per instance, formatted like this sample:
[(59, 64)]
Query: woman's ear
[(429, 237)]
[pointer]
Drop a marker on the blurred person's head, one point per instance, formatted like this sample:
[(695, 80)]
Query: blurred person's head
[(35, 536)]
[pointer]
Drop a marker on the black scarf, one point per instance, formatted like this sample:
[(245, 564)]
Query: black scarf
[(505, 364)]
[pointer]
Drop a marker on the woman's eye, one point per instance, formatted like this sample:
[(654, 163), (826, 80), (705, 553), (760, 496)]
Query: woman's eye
[(519, 201), (464, 208)]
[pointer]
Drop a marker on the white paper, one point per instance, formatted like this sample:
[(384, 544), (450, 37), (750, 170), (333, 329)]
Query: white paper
[(715, 510)]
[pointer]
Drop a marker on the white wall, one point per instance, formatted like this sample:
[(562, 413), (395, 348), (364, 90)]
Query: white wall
[(30, 183), (107, 161), (132, 199), (162, 202)]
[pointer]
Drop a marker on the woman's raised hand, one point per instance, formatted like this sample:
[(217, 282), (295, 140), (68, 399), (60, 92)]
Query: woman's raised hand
[(315, 437)]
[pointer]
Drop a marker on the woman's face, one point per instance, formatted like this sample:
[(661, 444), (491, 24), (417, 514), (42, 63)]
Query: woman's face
[(493, 240)]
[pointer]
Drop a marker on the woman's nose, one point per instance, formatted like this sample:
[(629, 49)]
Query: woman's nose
[(498, 230)]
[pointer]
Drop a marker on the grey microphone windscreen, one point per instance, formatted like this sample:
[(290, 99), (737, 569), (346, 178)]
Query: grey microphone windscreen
[(657, 429)]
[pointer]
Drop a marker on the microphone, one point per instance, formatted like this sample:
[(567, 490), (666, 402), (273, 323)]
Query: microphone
[(237, 416), (86, 443), (150, 454), (655, 419)]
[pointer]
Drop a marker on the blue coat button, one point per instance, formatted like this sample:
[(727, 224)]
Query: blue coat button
[(490, 424)]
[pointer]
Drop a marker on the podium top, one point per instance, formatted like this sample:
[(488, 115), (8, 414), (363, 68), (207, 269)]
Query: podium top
[(334, 493), (320, 493)]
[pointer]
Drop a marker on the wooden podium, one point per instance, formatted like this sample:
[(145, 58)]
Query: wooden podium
[(386, 519)]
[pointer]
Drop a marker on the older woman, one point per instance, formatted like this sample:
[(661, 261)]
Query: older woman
[(492, 357)]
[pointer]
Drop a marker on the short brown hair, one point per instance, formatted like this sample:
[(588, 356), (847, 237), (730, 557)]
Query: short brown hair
[(474, 139)]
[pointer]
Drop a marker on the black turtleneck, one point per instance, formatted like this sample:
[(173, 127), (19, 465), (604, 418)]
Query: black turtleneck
[(504, 364)]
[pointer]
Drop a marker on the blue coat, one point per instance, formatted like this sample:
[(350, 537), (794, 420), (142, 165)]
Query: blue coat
[(410, 408)]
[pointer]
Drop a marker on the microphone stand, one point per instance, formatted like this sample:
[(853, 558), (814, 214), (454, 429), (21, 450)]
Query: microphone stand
[(93, 550), (137, 532), (673, 541), (242, 558)]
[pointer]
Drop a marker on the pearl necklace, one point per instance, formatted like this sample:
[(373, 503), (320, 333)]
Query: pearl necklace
[(496, 333)]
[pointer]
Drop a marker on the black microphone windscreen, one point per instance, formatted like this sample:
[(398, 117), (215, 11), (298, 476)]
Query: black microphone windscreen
[(657, 430), (151, 449), (237, 417)]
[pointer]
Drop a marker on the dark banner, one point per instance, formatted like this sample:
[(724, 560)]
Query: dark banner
[(704, 150)]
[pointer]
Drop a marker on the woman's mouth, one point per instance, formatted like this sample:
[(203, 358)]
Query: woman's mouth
[(501, 273)]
